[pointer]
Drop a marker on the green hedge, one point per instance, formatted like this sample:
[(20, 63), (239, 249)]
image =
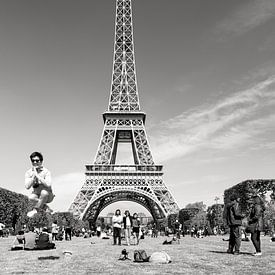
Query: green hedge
[(186, 214), (215, 215), (247, 189), (13, 212), (172, 219), (13, 208)]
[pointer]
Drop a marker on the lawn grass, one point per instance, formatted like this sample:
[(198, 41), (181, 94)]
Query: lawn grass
[(191, 256)]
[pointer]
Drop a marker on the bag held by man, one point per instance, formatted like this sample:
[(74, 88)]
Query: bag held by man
[(140, 256)]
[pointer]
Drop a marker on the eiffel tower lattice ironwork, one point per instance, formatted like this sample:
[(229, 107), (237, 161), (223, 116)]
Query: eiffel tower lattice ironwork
[(107, 182)]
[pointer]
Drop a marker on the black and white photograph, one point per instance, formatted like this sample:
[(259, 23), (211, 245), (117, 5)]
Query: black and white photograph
[(138, 136)]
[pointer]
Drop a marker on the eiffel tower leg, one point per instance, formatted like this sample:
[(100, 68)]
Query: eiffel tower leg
[(106, 147), (105, 185), (141, 146)]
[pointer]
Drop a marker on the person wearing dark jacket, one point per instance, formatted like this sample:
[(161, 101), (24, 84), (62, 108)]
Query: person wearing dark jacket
[(234, 221), (255, 223), (43, 241)]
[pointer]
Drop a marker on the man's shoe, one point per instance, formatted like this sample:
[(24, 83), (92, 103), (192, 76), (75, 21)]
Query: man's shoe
[(32, 213), (236, 253), (257, 254), (229, 251)]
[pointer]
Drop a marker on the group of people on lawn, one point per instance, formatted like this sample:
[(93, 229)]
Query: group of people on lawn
[(39, 178), (32, 240), (130, 224), (234, 219)]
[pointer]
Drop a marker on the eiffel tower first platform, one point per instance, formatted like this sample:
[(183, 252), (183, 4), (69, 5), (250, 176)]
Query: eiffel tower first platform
[(107, 182)]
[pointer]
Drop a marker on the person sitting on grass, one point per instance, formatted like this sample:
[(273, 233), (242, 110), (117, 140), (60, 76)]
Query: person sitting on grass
[(19, 241), (31, 238), (44, 241)]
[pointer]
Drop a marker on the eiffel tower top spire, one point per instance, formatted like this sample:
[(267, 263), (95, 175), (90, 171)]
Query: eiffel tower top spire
[(124, 91)]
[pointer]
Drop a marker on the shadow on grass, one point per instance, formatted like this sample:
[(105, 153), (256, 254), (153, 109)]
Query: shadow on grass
[(224, 252)]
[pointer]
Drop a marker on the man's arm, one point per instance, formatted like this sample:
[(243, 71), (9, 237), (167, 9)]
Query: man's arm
[(237, 212), (29, 179), (258, 214), (47, 180)]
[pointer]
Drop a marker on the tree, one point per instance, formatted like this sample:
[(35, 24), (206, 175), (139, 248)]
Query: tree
[(191, 216), (40, 220), (186, 214), (200, 219), (172, 219), (215, 215), (199, 205), (269, 215), (13, 209), (246, 189)]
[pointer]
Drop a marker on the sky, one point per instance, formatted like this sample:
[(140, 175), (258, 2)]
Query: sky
[(206, 80)]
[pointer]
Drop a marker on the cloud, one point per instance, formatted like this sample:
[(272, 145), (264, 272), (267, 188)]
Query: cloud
[(236, 121), (249, 16), (65, 188)]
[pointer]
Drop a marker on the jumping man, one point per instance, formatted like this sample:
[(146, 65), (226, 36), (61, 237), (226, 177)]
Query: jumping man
[(39, 178)]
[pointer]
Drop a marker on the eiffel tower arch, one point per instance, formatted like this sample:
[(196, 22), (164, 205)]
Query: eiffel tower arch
[(107, 182)]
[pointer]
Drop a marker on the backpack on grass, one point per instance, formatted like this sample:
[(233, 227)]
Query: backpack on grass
[(124, 255), (140, 256), (160, 257)]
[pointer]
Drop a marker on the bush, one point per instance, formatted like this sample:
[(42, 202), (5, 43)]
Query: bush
[(215, 215), (246, 189), (172, 219), (13, 209), (186, 216)]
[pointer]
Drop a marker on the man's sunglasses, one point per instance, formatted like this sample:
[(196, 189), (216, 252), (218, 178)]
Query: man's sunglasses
[(36, 160)]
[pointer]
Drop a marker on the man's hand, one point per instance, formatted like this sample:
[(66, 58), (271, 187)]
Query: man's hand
[(34, 172)]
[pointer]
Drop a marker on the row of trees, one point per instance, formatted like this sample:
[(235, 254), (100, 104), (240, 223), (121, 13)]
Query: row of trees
[(14, 207), (263, 188), (198, 214)]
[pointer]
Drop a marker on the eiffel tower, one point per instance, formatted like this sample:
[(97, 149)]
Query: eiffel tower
[(107, 182)]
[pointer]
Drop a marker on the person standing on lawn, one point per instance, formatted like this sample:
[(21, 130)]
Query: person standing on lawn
[(127, 223), (117, 221), (234, 221), (136, 227), (256, 224)]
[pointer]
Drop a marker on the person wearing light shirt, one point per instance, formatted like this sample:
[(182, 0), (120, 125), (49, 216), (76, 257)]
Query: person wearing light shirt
[(117, 221), (39, 179)]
